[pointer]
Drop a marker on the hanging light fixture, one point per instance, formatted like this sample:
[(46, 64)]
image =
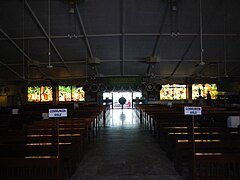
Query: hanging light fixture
[(201, 34), (23, 41), (225, 41), (50, 66), (71, 7)]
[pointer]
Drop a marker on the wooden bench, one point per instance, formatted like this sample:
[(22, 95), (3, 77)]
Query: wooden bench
[(29, 169), (212, 137), (49, 141), (219, 167)]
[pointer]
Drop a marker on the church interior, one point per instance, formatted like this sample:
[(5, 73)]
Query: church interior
[(119, 90)]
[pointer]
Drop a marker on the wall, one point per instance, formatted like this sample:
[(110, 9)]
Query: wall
[(9, 94), (3, 101)]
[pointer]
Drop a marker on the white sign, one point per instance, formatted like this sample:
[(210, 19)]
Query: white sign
[(192, 110), (15, 111), (57, 112), (45, 116), (233, 121)]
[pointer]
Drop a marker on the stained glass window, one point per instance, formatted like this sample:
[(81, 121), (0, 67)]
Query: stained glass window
[(40, 94), (202, 89), (34, 94), (173, 92), (64, 93), (46, 94), (77, 93)]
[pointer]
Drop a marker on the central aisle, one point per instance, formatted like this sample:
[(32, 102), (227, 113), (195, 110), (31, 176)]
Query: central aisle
[(124, 151)]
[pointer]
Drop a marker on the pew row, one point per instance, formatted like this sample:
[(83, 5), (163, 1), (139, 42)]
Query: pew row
[(191, 148)]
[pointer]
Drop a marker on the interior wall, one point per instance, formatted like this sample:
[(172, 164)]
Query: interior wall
[(9, 93), (229, 86), (3, 101)]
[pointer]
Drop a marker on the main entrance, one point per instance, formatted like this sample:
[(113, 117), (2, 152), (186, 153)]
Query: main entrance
[(130, 97)]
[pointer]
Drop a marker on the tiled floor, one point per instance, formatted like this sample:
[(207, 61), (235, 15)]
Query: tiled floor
[(124, 151)]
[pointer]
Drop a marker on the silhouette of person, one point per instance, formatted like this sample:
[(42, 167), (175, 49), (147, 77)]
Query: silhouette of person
[(122, 101), (209, 99), (200, 100)]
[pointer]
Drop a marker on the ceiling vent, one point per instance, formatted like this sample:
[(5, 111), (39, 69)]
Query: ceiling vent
[(33, 63), (93, 60), (153, 59), (73, 1)]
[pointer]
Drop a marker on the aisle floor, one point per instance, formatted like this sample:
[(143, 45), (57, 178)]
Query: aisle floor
[(124, 151)]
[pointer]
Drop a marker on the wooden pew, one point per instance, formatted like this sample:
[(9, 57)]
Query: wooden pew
[(212, 137), (46, 149), (39, 156), (179, 144), (28, 169), (42, 140), (219, 167)]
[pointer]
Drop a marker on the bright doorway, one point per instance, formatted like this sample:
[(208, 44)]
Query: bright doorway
[(126, 95), (129, 96)]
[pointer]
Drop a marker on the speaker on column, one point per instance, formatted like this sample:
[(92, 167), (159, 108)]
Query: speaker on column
[(158, 87), (150, 87), (102, 87), (109, 88), (86, 87), (94, 87), (142, 87)]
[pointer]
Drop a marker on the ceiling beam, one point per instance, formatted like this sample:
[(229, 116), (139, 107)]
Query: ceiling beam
[(15, 44), (19, 49), (198, 70), (184, 55), (233, 69), (89, 49), (123, 24), (150, 66), (126, 60), (123, 34), (13, 71), (84, 31), (46, 34), (156, 45)]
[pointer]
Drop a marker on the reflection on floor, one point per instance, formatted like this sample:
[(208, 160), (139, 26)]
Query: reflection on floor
[(122, 118), (124, 151)]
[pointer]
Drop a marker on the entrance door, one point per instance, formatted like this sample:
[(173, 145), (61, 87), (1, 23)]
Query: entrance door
[(126, 95), (130, 97)]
